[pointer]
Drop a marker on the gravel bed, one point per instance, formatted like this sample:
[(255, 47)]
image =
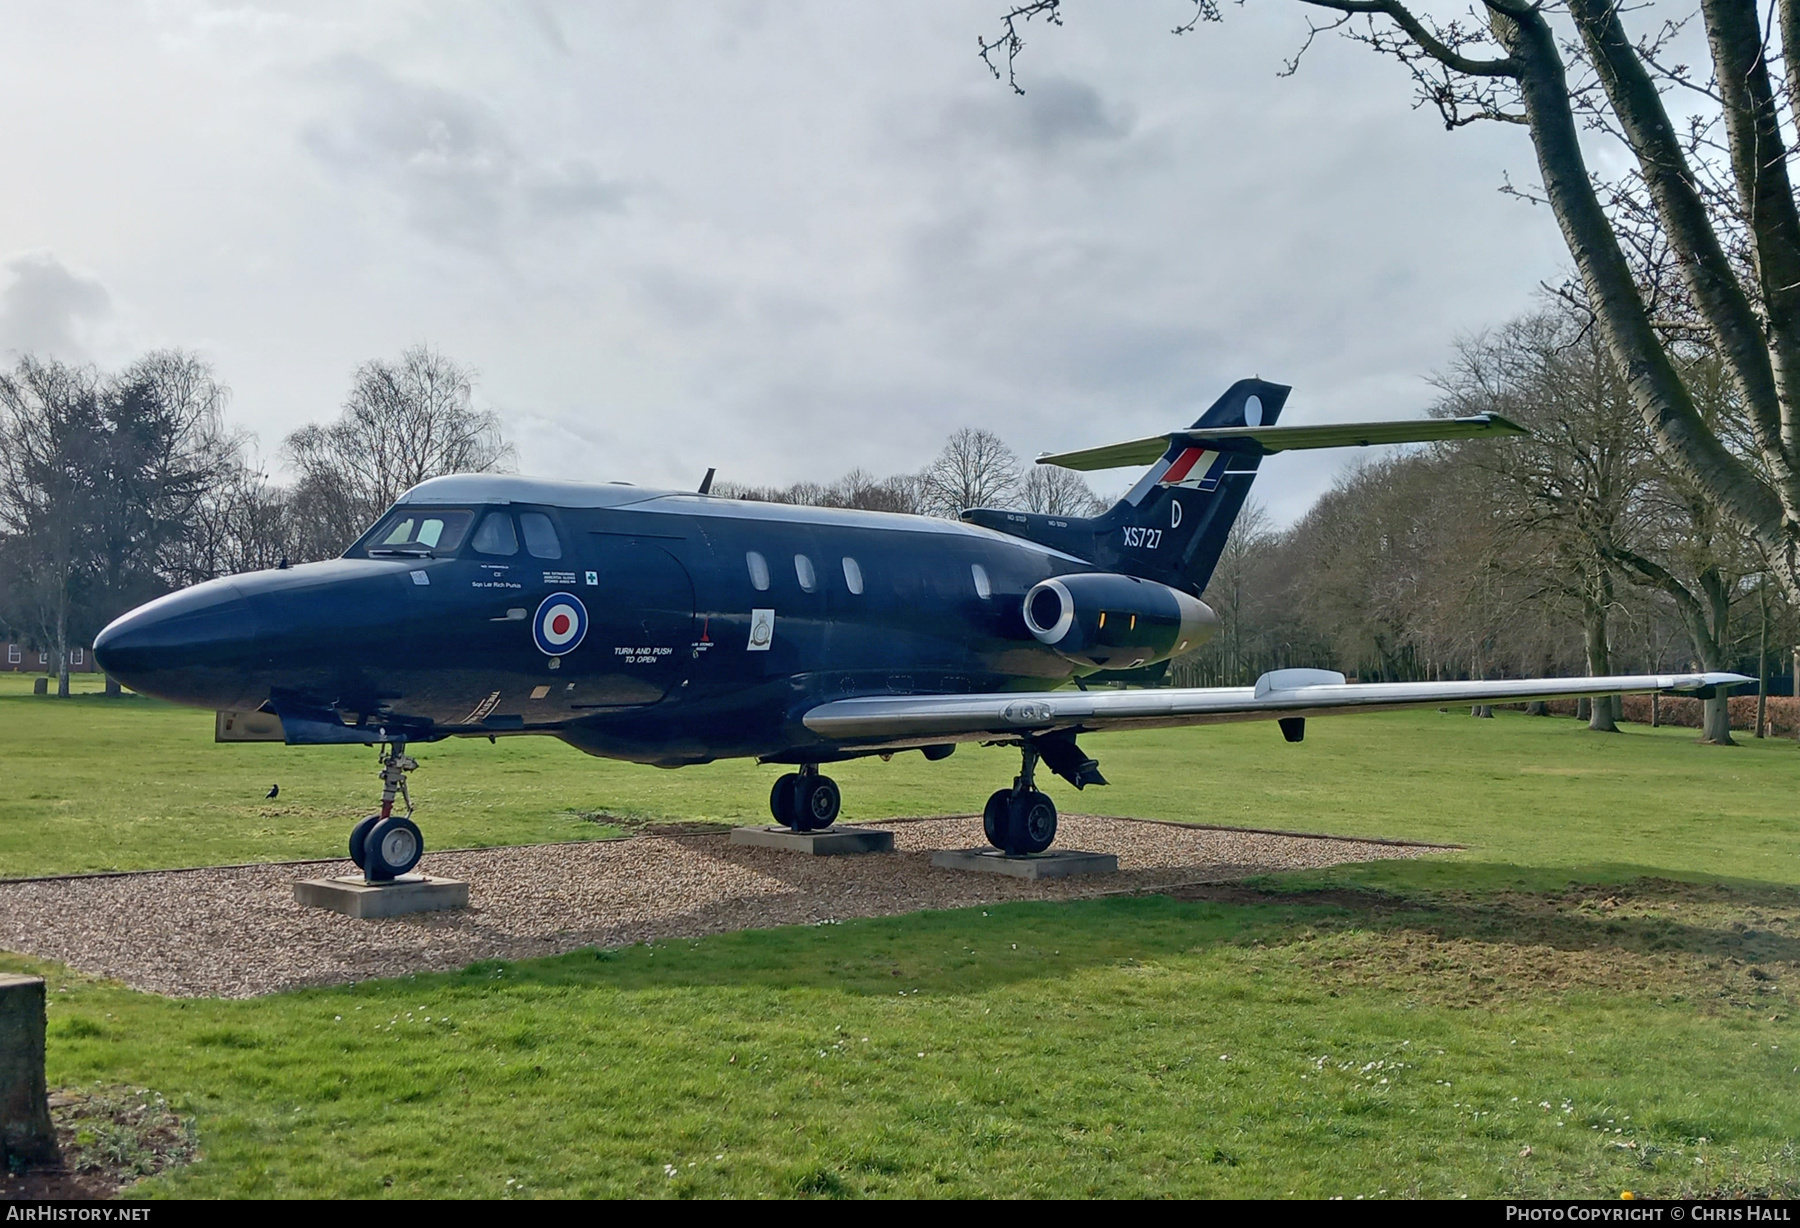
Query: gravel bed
[(237, 932)]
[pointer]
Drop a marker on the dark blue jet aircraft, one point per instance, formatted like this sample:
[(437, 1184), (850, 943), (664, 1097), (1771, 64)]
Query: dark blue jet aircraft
[(677, 628)]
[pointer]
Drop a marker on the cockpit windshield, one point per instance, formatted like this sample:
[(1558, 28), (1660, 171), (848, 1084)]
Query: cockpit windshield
[(418, 533)]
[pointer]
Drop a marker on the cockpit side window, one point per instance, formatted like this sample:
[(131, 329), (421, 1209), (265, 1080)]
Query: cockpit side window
[(540, 535), (496, 535), (418, 532)]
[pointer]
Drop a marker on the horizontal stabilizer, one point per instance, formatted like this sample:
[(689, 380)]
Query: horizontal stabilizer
[(1264, 439)]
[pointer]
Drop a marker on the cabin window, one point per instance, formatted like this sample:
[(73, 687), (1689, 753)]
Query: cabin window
[(803, 572), (496, 536), (983, 589), (80, 658), (540, 535), (759, 571), (852, 575), (13, 656)]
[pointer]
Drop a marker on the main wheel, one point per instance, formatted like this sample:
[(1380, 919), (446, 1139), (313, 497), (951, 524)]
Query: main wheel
[(781, 799), (993, 818), (818, 802), (358, 835), (1031, 824), (393, 846)]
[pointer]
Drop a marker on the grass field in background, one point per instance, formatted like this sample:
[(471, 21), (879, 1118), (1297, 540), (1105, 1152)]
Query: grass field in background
[(96, 784), (1596, 995)]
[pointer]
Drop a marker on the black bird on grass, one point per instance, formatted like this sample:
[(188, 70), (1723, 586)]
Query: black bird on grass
[(274, 792)]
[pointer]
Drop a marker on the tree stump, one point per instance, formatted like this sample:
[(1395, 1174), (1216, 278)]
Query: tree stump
[(26, 1137), (40, 686)]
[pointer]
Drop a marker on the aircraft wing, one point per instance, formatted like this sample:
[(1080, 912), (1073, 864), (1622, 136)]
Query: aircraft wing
[(1287, 439), (914, 720)]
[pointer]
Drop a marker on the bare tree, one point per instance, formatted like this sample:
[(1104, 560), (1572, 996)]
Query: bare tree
[(1701, 239), (1230, 589), (856, 489), (245, 524), (403, 422), (1687, 550), (1568, 491), (1056, 491), (975, 469)]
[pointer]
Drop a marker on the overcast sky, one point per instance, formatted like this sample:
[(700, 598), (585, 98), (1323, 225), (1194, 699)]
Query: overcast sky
[(785, 239)]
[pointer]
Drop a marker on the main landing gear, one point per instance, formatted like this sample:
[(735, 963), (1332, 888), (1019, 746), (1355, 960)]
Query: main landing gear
[(1021, 820), (386, 845), (805, 800)]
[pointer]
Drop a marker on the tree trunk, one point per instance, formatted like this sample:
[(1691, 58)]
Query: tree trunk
[(1537, 707), (62, 646), (1762, 662), (1584, 708), (1655, 709), (113, 689), (1716, 722), (1602, 718)]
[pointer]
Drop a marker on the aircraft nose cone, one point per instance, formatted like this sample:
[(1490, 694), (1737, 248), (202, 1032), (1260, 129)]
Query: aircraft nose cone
[(191, 647)]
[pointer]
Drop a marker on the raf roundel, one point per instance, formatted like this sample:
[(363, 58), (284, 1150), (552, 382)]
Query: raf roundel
[(560, 624)]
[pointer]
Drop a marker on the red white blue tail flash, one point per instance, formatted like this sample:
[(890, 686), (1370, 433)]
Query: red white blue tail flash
[(1195, 469)]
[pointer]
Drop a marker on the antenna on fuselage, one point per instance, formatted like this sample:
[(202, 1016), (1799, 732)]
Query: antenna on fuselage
[(706, 482)]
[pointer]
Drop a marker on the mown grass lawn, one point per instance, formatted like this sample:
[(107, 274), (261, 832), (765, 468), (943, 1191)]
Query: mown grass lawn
[(1595, 996)]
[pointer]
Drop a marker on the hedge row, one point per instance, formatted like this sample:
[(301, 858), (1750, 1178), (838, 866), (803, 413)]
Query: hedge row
[(1783, 712)]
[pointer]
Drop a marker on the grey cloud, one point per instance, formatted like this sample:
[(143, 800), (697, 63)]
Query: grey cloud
[(45, 309), (547, 25), (1061, 112), (447, 157), (1055, 116), (572, 188)]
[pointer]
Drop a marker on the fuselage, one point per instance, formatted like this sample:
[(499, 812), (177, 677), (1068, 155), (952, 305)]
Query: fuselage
[(656, 626)]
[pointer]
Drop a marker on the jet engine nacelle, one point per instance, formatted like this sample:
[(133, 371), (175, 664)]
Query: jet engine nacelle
[(1111, 621)]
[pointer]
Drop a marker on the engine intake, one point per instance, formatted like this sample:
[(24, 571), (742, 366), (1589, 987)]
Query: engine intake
[(1112, 621)]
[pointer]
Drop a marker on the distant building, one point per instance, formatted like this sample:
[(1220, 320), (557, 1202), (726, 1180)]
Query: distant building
[(16, 658)]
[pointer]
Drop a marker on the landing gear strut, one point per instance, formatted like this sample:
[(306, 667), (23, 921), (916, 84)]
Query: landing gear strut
[(805, 800), (386, 845), (1021, 820)]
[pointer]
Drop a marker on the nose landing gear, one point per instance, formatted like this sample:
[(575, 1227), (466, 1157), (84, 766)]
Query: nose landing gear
[(805, 800), (1021, 820), (386, 845)]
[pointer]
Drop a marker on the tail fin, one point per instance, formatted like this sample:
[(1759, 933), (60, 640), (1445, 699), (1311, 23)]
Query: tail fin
[(1171, 526)]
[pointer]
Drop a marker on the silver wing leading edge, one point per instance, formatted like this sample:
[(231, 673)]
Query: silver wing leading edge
[(915, 720)]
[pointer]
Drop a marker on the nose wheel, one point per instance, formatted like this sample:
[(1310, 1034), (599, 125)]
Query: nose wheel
[(386, 845), (1020, 820), (805, 800)]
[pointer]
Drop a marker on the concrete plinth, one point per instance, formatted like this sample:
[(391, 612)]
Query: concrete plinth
[(831, 841), (26, 1137), (1058, 863), (353, 897)]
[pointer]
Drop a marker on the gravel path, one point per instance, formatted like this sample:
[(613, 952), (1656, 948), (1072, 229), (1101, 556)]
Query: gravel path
[(237, 932)]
